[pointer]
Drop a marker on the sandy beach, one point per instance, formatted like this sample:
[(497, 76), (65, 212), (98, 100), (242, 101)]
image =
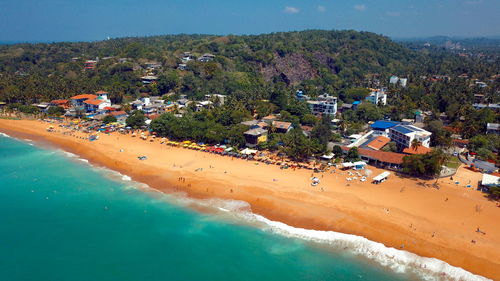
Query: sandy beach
[(404, 213)]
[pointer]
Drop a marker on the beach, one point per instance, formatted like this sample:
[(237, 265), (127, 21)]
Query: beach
[(403, 213)]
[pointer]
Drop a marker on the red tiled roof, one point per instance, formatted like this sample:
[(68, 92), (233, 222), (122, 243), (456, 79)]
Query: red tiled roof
[(93, 102), (378, 142), (306, 128), (461, 141), (101, 92), (382, 156), (153, 116), (419, 150), (269, 117), (118, 113), (282, 125), (84, 97), (110, 108), (59, 101), (262, 124)]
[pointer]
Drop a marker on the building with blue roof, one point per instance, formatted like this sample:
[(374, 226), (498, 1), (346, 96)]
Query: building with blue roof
[(355, 104), (381, 127)]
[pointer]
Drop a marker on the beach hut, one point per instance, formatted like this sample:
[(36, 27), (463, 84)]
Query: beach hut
[(381, 178)]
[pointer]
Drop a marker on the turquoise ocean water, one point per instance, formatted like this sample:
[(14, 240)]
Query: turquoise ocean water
[(62, 219)]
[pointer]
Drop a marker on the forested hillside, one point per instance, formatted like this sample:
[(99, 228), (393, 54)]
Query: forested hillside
[(247, 67)]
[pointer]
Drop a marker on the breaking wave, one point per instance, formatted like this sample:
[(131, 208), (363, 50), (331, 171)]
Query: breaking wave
[(399, 261), (5, 135)]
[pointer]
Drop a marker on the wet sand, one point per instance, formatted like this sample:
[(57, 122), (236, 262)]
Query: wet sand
[(401, 212)]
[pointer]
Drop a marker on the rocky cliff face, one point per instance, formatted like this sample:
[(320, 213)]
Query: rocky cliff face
[(293, 68)]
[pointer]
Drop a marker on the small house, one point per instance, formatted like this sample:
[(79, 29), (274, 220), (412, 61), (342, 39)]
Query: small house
[(255, 136), (282, 127)]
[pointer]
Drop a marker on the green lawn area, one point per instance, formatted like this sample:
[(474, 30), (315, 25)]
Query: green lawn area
[(453, 162)]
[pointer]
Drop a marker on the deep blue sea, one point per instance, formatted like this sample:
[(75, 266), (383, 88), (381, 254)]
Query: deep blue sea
[(63, 219)]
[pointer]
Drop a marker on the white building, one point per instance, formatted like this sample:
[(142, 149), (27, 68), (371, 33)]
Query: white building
[(377, 97), (325, 104), (206, 58), (203, 105), (403, 135), (148, 79), (216, 98), (398, 80), (186, 57), (493, 128), (403, 82)]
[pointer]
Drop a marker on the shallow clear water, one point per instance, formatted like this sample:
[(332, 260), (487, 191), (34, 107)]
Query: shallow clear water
[(62, 219)]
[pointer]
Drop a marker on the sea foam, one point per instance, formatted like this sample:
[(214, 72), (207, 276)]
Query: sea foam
[(5, 135), (397, 260)]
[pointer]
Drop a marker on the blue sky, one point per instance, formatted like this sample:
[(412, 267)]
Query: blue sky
[(81, 20)]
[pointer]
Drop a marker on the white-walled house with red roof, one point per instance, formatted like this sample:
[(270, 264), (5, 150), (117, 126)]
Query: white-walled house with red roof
[(91, 103)]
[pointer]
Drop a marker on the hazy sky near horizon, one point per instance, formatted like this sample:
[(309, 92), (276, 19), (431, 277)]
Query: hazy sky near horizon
[(83, 20)]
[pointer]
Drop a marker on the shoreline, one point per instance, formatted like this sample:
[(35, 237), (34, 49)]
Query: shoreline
[(357, 209)]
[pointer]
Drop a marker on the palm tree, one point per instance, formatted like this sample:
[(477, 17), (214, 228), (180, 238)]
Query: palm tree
[(440, 158), (415, 144)]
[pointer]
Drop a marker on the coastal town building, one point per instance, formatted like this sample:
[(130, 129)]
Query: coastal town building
[(489, 181), (255, 136), (381, 127), (91, 103), (345, 107), (355, 104), (387, 160), (62, 103), (419, 116), (94, 105), (493, 128), (377, 97), (282, 127), (152, 65), (492, 106), (200, 105), (299, 95), (119, 115), (269, 119), (216, 99), (187, 57), (90, 64), (78, 100), (378, 142), (149, 79), (404, 135), (324, 104), (397, 81), (206, 57)]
